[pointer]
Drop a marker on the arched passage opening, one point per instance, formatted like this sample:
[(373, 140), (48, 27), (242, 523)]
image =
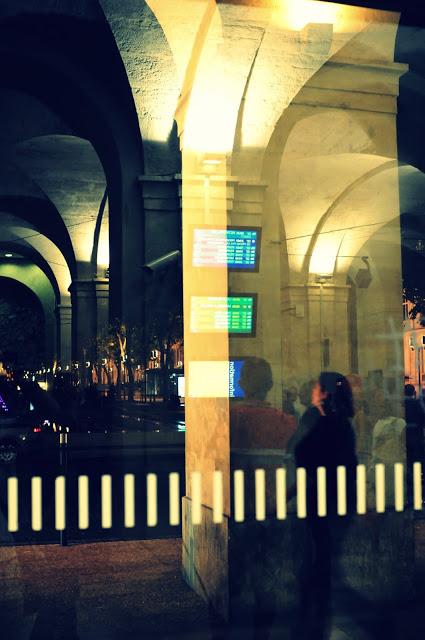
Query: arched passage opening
[(89, 90), (22, 326)]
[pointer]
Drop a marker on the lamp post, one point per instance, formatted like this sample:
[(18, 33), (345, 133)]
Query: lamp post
[(322, 279)]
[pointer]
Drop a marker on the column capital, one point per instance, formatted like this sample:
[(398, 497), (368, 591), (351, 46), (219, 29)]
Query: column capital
[(63, 311), (89, 288)]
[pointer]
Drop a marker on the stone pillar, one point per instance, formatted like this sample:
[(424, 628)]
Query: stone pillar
[(83, 296), (64, 333), (162, 214), (248, 210), (314, 206), (101, 286), (51, 339), (90, 303), (205, 200)]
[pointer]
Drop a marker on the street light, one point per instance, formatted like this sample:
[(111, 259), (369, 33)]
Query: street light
[(321, 279)]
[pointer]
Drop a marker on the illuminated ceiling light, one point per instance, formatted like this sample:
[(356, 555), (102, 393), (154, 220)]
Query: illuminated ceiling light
[(297, 14), (323, 278), (211, 161), (210, 164)]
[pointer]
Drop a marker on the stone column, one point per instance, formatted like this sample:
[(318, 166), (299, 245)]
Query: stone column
[(205, 200), (232, 563), (51, 339), (90, 303), (83, 296), (101, 286), (162, 214), (64, 333)]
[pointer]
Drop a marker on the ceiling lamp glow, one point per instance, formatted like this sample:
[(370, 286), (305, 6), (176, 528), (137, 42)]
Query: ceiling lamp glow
[(296, 14)]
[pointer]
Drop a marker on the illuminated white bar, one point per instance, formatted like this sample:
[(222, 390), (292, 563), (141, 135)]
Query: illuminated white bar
[(380, 487), (281, 494), (12, 505), (129, 501), (196, 482), (341, 480), (239, 495), (217, 497), (417, 486), (174, 499), (83, 502), (361, 489), (208, 379), (106, 502), (152, 499), (60, 502), (36, 504), (321, 492), (399, 486), (301, 492), (260, 494)]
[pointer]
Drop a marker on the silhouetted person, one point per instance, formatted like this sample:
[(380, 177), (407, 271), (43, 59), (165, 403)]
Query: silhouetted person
[(415, 422), (256, 429), (255, 423), (361, 422), (325, 438)]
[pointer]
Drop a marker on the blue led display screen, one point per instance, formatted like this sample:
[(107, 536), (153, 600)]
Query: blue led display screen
[(237, 248), (235, 368)]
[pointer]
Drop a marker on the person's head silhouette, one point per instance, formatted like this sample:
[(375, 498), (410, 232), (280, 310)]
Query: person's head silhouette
[(333, 392), (409, 391), (256, 379)]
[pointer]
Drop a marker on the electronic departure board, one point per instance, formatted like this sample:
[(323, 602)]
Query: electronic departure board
[(238, 248), (235, 314)]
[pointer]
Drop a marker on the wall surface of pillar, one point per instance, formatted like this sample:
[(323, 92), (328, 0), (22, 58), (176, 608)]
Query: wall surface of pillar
[(289, 127), (64, 333)]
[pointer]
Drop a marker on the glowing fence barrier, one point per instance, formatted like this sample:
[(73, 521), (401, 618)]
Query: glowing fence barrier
[(36, 504), (239, 496), (129, 501), (281, 509), (341, 491), (417, 486), (217, 497), (361, 489), (60, 503), (106, 493), (12, 505), (152, 493), (383, 480), (83, 502), (174, 499)]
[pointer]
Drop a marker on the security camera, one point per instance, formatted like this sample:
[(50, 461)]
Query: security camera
[(162, 262), (363, 278)]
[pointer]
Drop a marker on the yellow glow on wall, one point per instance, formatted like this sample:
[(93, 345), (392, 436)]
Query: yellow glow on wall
[(296, 14), (324, 255), (299, 13), (103, 248), (210, 121), (211, 117)]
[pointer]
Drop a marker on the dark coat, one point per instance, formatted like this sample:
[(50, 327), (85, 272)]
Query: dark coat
[(326, 441)]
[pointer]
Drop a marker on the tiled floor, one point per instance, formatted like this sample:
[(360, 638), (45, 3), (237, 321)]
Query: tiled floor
[(130, 590)]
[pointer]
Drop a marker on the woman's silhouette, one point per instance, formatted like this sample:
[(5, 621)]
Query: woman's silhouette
[(325, 438)]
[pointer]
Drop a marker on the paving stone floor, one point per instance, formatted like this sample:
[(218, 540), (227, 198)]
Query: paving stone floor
[(134, 590)]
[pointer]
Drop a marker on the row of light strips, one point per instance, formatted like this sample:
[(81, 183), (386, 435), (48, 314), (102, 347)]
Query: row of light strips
[(196, 496)]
